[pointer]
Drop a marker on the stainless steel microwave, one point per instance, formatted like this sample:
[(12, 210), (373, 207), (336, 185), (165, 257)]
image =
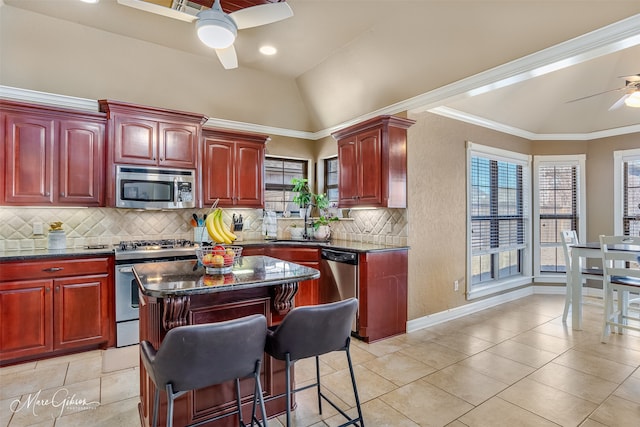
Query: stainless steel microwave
[(154, 188)]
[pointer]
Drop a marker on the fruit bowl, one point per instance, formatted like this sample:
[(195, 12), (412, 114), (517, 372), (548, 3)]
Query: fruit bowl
[(218, 259)]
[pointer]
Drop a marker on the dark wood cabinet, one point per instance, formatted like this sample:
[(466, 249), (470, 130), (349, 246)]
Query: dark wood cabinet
[(148, 136), (52, 156), (383, 294), (53, 306), (233, 169), (26, 321), (372, 163), (308, 290), (81, 305)]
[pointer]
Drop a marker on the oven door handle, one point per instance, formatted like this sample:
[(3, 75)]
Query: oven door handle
[(125, 269)]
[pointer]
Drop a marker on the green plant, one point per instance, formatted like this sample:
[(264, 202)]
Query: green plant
[(304, 196), (322, 203)]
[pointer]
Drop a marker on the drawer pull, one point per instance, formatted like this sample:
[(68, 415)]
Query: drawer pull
[(53, 269)]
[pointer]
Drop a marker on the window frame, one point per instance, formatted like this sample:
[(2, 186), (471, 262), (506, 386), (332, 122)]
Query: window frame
[(578, 160), (494, 286), (619, 158), (325, 174), (308, 170)]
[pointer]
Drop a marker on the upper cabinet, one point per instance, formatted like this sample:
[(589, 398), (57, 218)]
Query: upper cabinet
[(372, 158), (233, 168), (150, 136), (51, 156)]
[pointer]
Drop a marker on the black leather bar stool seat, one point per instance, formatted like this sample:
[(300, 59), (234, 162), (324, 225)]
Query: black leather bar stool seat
[(197, 356), (312, 331)]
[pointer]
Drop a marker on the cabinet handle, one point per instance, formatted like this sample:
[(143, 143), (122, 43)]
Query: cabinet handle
[(57, 288), (62, 194), (53, 269), (46, 193), (47, 290)]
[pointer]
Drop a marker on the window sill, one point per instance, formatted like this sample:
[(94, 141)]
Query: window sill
[(492, 288)]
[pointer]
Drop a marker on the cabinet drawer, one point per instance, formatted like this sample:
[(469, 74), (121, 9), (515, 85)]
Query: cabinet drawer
[(50, 268), (295, 254)]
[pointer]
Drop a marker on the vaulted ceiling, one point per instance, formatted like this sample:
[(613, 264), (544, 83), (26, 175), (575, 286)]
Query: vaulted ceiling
[(513, 65)]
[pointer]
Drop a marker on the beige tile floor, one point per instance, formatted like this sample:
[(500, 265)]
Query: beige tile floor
[(512, 365)]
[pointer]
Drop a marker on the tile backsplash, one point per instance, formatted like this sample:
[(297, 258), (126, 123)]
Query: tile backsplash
[(108, 226)]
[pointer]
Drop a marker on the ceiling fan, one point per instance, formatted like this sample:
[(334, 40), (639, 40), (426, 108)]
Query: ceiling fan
[(631, 97), (218, 29)]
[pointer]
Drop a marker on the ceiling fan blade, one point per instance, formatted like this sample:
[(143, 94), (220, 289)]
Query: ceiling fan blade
[(620, 102), (158, 10), (261, 14), (228, 57), (596, 94)]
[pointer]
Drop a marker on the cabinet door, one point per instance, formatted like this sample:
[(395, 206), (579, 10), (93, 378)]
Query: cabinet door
[(217, 171), (347, 172), (80, 311), (29, 159), (81, 163), (308, 290), (25, 318), (249, 167), (370, 168), (135, 140), (178, 145)]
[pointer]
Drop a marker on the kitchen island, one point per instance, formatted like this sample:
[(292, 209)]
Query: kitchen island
[(179, 293)]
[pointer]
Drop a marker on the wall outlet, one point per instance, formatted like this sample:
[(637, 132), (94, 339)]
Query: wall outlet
[(37, 228), (456, 285)]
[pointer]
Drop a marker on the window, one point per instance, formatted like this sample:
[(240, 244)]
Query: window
[(627, 192), (331, 178), (278, 175), (498, 190), (558, 205)]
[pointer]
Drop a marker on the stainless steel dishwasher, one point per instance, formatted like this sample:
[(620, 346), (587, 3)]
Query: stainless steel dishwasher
[(344, 270)]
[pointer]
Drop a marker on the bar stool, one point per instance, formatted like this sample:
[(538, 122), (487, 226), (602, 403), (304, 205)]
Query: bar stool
[(312, 331), (197, 356)]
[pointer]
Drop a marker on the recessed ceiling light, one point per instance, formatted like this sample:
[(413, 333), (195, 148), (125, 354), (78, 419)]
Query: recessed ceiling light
[(90, 1), (268, 50)]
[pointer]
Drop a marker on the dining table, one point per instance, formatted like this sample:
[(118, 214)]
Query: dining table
[(580, 252)]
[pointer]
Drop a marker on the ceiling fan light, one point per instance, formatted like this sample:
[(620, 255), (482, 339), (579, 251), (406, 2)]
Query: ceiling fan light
[(633, 100), (216, 32)]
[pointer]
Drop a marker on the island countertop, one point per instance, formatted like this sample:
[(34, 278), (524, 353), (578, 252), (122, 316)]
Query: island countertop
[(184, 278)]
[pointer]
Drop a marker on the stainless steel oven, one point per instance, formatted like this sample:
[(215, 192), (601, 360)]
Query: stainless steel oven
[(128, 254)]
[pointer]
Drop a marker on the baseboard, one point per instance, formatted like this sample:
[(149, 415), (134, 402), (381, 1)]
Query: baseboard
[(474, 307)]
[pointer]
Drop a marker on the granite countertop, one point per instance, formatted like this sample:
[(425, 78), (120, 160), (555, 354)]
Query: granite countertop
[(26, 254), (180, 278), (347, 245)]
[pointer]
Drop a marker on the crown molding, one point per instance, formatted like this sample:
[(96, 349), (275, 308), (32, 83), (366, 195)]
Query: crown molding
[(500, 127)]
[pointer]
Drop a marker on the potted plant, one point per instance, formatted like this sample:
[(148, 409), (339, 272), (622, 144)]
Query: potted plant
[(304, 196), (321, 228)]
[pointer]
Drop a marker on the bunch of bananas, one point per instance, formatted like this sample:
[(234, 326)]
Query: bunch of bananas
[(217, 230)]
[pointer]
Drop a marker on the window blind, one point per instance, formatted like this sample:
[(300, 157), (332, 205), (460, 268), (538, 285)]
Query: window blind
[(331, 178), (278, 175), (558, 189), (498, 218), (631, 198)]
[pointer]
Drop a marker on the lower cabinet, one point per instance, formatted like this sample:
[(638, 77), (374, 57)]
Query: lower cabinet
[(383, 294), (57, 306), (308, 291)]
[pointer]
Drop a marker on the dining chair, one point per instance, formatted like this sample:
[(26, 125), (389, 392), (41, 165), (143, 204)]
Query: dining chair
[(196, 356), (621, 274), (569, 239)]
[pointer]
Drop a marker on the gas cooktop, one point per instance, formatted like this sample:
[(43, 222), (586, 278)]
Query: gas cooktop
[(155, 249)]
